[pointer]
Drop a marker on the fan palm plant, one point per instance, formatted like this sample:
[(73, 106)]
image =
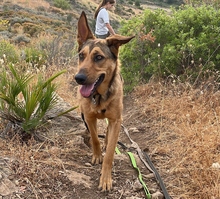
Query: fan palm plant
[(24, 102)]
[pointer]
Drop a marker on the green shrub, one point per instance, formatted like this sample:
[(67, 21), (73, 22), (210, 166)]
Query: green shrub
[(31, 29), (137, 3), (213, 3), (63, 4), (3, 24), (184, 42), (8, 52), (35, 57), (21, 39)]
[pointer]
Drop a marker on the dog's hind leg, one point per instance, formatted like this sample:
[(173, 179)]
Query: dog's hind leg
[(97, 154), (106, 173)]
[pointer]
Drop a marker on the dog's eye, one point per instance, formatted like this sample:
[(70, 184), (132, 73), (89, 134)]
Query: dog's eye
[(98, 58), (81, 56)]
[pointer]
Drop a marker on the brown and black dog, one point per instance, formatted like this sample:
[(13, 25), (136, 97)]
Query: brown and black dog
[(101, 92)]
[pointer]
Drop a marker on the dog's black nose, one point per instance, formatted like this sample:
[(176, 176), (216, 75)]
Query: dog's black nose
[(80, 78)]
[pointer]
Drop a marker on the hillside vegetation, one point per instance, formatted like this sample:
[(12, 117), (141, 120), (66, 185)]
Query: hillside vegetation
[(171, 102)]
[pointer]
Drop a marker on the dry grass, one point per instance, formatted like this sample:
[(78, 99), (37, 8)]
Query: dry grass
[(30, 3), (188, 134), (37, 167)]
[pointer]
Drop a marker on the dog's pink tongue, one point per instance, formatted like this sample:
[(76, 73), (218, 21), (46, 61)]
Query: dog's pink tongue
[(86, 90)]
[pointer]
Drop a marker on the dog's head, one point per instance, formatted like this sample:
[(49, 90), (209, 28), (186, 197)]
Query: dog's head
[(97, 59)]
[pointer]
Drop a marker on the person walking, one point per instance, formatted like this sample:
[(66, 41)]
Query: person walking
[(103, 28)]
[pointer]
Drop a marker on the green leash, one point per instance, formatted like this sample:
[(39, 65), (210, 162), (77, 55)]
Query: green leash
[(133, 161), (139, 175), (117, 151)]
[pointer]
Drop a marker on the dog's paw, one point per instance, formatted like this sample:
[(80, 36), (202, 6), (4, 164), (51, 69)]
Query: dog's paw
[(97, 159), (105, 182)]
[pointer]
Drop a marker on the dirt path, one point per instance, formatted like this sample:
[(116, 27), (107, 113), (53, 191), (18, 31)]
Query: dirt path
[(59, 167)]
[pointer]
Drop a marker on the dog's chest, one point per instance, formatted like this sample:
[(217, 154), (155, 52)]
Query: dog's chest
[(98, 105), (99, 112)]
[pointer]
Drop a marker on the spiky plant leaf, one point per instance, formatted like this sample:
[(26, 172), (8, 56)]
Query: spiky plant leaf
[(24, 102)]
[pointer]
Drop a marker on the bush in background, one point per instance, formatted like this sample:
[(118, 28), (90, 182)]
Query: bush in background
[(63, 4), (213, 3), (8, 52), (35, 57), (3, 24), (184, 43)]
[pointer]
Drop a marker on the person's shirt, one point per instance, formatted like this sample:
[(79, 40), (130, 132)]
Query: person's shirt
[(101, 20)]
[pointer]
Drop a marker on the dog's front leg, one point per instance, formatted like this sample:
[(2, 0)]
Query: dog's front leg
[(97, 154), (106, 173)]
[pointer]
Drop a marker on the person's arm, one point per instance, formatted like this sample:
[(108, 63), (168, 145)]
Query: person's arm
[(111, 31)]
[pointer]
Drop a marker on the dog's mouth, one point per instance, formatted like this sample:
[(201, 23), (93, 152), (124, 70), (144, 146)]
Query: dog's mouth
[(89, 89)]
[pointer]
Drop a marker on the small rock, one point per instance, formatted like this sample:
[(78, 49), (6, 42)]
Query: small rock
[(77, 140), (16, 182), (7, 187), (216, 165), (152, 190), (133, 197), (134, 130), (11, 177), (157, 195), (79, 178), (149, 176), (137, 185), (88, 164)]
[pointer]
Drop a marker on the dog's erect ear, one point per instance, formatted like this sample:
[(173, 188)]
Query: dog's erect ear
[(84, 31), (117, 40)]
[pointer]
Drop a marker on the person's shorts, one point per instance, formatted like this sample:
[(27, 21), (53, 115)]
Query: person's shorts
[(102, 36)]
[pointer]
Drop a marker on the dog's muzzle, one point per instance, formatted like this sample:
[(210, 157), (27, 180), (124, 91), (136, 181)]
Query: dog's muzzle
[(87, 89)]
